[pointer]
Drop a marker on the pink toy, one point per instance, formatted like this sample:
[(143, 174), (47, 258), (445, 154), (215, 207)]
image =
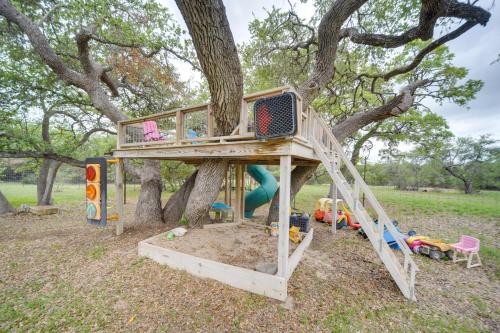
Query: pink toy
[(469, 247), (415, 243), (328, 217), (151, 132)]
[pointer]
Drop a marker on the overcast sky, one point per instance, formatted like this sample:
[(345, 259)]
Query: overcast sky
[(475, 50)]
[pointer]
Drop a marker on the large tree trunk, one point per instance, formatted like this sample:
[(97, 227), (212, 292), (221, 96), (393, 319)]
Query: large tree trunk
[(176, 205), (5, 206), (206, 189), (148, 210), (46, 180), (468, 187), (467, 182), (218, 57)]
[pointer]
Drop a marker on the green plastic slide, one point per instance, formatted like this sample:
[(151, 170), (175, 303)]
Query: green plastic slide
[(262, 194)]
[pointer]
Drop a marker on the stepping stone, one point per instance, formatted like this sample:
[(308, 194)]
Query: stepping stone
[(267, 267), (44, 210)]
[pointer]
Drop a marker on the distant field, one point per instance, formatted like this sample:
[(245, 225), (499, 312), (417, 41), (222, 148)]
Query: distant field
[(19, 194), (484, 204)]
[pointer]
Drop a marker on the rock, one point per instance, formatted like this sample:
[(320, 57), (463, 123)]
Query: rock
[(44, 210), (267, 267), (120, 305), (288, 304), (321, 275)]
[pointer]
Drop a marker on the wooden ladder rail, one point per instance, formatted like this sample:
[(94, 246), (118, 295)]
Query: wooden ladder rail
[(329, 149)]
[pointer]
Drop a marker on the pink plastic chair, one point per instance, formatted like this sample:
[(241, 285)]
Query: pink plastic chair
[(151, 132), (469, 247)]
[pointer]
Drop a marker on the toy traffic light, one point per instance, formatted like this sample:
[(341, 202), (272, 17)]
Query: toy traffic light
[(95, 172), (275, 116)]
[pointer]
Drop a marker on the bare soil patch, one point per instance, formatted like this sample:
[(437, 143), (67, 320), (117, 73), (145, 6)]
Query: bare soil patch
[(241, 245), (58, 273)]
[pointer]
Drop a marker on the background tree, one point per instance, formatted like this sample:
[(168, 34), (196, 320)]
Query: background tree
[(361, 66), (314, 49), (86, 61), (383, 88), (465, 158)]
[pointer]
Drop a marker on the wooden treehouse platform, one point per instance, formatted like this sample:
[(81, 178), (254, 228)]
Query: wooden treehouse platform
[(187, 134)]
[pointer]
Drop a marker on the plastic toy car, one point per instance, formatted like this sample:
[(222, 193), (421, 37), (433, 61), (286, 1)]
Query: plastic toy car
[(434, 248)]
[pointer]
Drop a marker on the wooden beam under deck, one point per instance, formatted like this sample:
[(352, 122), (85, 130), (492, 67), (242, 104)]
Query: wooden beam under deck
[(253, 151)]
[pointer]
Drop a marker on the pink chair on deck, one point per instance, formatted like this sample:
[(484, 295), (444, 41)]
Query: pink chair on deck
[(151, 132), (469, 247)]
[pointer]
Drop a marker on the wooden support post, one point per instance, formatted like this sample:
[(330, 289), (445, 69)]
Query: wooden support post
[(355, 196), (227, 186), (380, 230), (231, 173), (285, 175), (124, 187), (179, 126), (121, 129), (210, 122), (244, 118), (119, 197), (238, 199), (299, 117), (242, 204), (334, 207)]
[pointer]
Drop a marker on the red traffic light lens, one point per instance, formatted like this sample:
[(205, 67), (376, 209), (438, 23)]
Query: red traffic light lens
[(91, 173)]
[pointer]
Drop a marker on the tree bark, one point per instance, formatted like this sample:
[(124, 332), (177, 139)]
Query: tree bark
[(205, 190), (218, 57), (90, 81), (176, 205), (468, 187), (148, 210), (46, 180), (5, 206), (463, 178)]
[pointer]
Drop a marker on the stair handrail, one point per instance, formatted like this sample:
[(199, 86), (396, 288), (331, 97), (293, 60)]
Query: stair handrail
[(382, 215)]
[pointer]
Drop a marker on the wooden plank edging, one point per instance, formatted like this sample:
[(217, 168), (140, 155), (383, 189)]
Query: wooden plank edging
[(295, 257), (256, 282)]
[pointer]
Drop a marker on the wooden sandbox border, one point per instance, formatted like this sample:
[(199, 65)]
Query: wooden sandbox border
[(273, 286)]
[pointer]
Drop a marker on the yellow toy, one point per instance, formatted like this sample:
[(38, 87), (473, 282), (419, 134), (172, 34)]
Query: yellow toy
[(294, 234)]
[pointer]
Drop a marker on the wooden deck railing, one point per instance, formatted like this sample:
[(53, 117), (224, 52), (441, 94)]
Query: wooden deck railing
[(196, 125)]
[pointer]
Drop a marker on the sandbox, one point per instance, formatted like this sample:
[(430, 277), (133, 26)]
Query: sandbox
[(228, 253)]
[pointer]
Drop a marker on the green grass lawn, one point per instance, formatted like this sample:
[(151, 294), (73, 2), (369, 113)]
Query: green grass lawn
[(19, 194), (44, 263), (484, 204)]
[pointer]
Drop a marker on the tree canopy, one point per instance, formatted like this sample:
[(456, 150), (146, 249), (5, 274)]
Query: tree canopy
[(369, 67)]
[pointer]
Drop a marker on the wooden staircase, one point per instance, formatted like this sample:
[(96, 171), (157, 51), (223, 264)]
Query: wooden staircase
[(331, 154)]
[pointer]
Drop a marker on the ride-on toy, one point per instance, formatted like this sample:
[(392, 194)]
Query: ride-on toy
[(434, 248)]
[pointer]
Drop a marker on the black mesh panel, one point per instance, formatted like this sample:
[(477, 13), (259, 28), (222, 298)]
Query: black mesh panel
[(275, 116)]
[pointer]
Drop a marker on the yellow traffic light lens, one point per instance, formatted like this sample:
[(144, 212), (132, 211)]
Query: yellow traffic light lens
[(91, 192)]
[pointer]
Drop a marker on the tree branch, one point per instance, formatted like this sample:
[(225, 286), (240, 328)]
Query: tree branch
[(430, 11), (426, 50), (41, 45), (396, 106), (47, 155)]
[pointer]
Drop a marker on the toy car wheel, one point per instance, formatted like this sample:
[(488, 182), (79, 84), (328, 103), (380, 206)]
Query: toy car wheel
[(436, 255), (449, 254)]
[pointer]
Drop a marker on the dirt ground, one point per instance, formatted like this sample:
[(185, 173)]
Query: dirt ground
[(243, 245), (58, 273)]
